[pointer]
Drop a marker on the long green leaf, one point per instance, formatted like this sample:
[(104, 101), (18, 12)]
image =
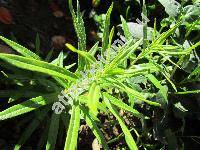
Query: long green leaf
[(94, 49), (161, 39), (53, 131), (164, 74), (188, 92), (31, 128), (20, 49), (80, 31), (37, 65), (105, 40), (128, 137), (136, 94), (72, 134), (153, 79), (195, 72), (23, 108), (123, 54), (97, 132), (93, 97), (125, 28), (86, 55), (37, 44), (144, 21), (122, 105)]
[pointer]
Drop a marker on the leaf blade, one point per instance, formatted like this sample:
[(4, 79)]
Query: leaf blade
[(22, 108), (20, 49), (39, 66), (105, 40), (128, 137), (93, 98), (122, 105), (72, 133), (53, 131)]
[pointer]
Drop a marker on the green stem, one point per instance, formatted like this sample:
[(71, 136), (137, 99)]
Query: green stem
[(188, 92)]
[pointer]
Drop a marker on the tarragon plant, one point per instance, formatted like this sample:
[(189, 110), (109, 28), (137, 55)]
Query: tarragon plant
[(38, 83)]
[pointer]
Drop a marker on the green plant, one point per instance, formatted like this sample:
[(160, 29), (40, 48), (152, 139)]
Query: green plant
[(41, 82)]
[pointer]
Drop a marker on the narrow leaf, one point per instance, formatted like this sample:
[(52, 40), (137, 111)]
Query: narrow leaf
[(125, 28), (128, 137), (105, 40), (97, 132), (31, 128), (72, 134), (94, 49), (37, 65), (23, 108), (153, 79), (37, 44), (80, 31), (122, 105), (123, 54), (93, 97), (53, 131), (86, 55), (161, 39), (20, 49)]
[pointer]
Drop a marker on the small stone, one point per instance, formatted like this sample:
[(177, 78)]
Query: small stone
[(96, 145), (58, 14), (115, 131), (58, 41)]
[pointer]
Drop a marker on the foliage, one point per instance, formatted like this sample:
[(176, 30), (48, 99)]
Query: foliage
[(38, 83)]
